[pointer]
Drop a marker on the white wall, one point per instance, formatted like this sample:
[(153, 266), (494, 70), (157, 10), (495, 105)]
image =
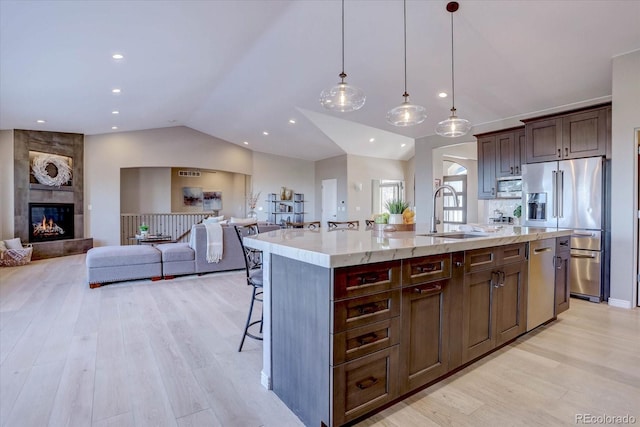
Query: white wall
[(271, 173), (361, 170), (180, 146), (6, 185), (145, 190), (624, 223)]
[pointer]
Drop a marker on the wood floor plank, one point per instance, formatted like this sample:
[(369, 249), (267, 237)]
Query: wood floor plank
[(11, 383), (200, 419)]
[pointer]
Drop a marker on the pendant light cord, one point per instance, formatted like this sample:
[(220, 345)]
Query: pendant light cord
[(453, 84), (342, 74), (405, 51)]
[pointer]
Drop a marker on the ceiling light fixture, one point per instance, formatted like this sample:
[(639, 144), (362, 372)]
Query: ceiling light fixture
[(443, 94), (453, 126), (342, 97), (115, 112), (292, 121), (114, 127), (265, 133), (406, 114), (41, 121), (117, 56), (372, 139), (115, 90), (245, 143)]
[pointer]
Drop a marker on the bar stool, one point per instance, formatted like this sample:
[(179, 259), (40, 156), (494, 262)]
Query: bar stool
[(311, 225), (343, 224), (254, 278)]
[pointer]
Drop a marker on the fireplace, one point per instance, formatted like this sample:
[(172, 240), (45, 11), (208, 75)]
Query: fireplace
[(50, 221)]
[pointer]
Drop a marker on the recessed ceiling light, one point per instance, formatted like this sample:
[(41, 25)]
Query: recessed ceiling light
[(292, 121), (265, 133), (245, 143), (403, 145), (114, 127), (372, 139), (443, 94), (115, 112), (117, 56), (41, 121), (116, 90)]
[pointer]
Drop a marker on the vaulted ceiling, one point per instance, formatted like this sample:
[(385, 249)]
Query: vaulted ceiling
[(236, 69)]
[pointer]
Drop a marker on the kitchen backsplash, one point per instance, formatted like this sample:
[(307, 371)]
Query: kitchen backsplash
[(506, 206)]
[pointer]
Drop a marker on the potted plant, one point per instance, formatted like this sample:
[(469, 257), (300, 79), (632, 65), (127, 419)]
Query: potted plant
[(517, 213), (144, 229), (396, 207)]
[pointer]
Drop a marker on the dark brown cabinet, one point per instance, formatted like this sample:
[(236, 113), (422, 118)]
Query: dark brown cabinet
[(499, 155), (567, 136), (494, 298), (562, 262)]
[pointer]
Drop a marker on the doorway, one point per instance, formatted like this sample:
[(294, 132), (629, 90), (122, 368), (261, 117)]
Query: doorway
[(329, 200)]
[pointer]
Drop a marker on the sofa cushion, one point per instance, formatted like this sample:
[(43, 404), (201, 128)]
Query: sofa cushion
[(174, 252), (110, 256), (13, 243)]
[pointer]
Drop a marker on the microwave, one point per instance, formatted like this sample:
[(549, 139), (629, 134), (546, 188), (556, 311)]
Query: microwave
[(509, 187)]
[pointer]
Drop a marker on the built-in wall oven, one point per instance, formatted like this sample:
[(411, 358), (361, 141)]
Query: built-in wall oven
[(509, 187)]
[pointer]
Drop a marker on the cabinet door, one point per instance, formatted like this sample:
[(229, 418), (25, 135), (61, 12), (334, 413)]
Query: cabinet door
[(487, 168), (509, 302), (563, 286), (584, 134), (477, 327), (425, 334), (544, 140), (520, 157), (505, 154)]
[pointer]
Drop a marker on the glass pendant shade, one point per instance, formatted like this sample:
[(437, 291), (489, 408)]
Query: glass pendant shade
[(453, 126), (407, 114), (342, 97)]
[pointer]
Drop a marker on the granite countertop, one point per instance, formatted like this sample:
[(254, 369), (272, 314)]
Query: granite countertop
[(345, 247)]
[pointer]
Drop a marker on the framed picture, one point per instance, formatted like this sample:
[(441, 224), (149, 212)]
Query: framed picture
[(192, 196), (212, 200)]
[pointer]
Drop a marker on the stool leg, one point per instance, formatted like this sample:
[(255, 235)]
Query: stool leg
[(246, 327)]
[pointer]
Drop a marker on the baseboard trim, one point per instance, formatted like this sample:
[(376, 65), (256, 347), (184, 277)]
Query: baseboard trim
[(265, 380), (621, 303)]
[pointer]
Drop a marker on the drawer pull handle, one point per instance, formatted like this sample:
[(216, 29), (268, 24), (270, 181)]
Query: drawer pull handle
[(371, 278), (427, 290), (366, 383), (367, 339), (368, 308), (427, 269), (559, 153)]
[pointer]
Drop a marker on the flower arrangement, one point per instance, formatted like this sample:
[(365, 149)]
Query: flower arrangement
[(396, 206), (252, 200)]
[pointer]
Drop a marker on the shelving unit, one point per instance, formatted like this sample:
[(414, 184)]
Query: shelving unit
[(283, 211)]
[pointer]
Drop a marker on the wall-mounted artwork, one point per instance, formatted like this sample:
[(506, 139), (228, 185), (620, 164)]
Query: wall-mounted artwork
[(51, 170), (212, 200), (192, 196)]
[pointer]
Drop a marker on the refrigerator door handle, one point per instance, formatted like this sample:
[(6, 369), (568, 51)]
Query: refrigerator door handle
[(560, 194), (554, 199)]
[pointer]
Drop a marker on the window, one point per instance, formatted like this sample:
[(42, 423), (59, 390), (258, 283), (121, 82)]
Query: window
[(383, 191), (455, 214)]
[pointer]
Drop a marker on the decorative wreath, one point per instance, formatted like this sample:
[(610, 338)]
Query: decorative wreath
[(39, 168)]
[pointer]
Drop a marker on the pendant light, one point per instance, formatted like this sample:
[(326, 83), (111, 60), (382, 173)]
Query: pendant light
[(453, 126), (406, 114), (342, 97)]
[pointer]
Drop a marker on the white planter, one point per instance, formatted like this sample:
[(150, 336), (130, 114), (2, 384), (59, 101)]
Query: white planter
[(396, 219)]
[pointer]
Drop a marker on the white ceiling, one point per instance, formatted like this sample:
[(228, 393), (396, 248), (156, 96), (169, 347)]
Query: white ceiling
[(233, 69)]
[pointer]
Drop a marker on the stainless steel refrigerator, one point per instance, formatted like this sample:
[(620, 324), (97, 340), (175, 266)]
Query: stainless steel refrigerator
[(573, 194)]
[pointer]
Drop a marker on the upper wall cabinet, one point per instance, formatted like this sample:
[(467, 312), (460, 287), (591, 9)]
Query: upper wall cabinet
[(499, 154), (568, 136)]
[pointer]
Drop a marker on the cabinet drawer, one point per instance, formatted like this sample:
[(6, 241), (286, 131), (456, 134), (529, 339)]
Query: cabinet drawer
[(366, 279), (488, 258), (364, 384), (365, 340), (426, 269), (355, 312)]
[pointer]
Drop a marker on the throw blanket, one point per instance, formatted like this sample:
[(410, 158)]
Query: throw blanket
[(214, 242)]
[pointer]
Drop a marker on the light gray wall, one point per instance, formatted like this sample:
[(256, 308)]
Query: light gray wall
[(332, 168), (180, 146), (361, 170), (6, 184), (624, 202), (271, 172), (145, 190)]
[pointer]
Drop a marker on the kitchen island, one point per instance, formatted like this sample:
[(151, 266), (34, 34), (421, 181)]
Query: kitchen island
[(357, 318)]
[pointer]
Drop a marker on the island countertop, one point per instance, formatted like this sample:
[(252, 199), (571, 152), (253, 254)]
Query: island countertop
[(333, 248)]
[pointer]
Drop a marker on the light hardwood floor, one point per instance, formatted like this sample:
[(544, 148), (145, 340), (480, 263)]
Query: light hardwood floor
[(164, 353)]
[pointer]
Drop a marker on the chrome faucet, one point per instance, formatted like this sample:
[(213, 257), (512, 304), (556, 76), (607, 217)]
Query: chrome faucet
[(434, 219)]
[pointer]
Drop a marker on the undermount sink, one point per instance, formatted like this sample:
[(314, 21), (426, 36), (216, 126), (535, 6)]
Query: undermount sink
[(457, 235)]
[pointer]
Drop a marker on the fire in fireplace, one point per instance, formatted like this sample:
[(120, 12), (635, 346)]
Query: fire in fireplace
[(50, 221)]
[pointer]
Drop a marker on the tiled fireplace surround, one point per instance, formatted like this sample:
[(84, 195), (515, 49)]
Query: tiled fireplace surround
[(63, 144)]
